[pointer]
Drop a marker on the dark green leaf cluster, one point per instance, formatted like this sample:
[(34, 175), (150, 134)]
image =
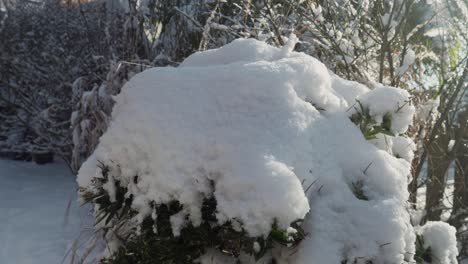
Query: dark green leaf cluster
[(369, 127), (423, 254)]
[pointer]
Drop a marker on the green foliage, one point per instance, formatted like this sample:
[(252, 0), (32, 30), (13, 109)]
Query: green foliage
[(453, 53), (368, 125), (423, 254), (358, 191), (155, 242), (118, 210), (287, 239)]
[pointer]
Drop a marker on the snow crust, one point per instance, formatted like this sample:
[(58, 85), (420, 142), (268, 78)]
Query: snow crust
[(270, 128)]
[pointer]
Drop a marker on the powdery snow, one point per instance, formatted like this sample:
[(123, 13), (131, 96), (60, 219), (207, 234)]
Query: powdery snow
[(264, 124)]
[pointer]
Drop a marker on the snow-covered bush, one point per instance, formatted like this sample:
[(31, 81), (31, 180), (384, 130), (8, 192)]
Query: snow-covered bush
[(257, 143), (437, 243)]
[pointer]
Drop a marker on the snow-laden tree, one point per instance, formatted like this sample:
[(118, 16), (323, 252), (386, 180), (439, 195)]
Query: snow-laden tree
[(44, 48)]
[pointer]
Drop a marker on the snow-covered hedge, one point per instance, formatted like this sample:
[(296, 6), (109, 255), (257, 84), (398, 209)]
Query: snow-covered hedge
[(263, 140)]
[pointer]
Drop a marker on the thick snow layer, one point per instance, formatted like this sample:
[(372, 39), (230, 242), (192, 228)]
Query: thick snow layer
[(441, 237), (265, 125), (40, 220)]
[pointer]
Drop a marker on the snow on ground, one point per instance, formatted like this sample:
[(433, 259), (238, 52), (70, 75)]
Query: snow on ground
[(263, 124), (39, 216)]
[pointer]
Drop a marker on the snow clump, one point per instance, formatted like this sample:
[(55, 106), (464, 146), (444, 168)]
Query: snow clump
[(441, 238)]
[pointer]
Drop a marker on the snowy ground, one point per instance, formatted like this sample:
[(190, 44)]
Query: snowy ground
[(39, 217)]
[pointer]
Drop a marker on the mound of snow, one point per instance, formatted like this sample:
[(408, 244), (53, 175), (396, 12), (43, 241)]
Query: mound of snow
[(271, 129)]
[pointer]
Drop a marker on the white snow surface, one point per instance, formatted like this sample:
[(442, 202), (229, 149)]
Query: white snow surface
[(40, 220), (263, 124)]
